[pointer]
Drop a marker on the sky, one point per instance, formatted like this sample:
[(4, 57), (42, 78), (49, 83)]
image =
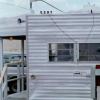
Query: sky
[(9, 8)]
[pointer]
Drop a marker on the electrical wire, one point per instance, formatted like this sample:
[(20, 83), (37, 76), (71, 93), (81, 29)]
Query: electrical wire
[(61, 29), (90, 32), (53, 6), (47, 4), (92, 27), (31, 5)]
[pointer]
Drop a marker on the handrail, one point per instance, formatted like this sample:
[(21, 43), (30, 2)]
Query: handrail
[(16, 78), (3, 74), (15, 62), (3, 83), (20, 76), (5, 68)]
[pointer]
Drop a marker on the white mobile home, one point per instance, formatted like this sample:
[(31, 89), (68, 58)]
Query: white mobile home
[(62, 53)]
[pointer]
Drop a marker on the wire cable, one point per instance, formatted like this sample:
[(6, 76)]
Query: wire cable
[(61, 29), (31, 6), (53, 6), (89, 35), (47, 4), (92, 27)]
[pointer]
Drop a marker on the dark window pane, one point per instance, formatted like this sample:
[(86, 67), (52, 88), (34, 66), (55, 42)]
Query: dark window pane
[(64, 46), (89, 51), (52, 58), (65, 58), (83, 58), (65, 52)]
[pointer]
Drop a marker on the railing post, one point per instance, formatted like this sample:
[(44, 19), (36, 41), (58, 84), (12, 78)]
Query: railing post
[(5, 89), (18, 76), (1, 65), (93, 88), (22, 65), (1, 54), (0, 91)]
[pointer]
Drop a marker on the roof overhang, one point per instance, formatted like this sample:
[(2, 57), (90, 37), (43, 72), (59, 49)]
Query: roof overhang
[(11, 27)]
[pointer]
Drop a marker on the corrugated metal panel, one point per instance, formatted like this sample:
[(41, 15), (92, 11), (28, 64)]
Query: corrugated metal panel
[(59, 82), (40, 34)]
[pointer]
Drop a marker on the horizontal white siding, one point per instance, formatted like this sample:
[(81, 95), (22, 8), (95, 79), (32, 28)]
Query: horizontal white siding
[(60, 82), (38, 55), (56, 81)]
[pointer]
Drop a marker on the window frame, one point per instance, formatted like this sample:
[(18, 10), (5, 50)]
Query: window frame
[(57, 61), (76, 54)]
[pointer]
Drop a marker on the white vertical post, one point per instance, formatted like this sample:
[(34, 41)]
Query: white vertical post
[(1, 54), (18, 76), (93, 82), (1, 65), (76, 52), (22, 52), (5, 90)]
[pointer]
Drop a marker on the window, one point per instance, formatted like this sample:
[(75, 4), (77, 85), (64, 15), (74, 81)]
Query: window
[(61, 52), (89, 52)]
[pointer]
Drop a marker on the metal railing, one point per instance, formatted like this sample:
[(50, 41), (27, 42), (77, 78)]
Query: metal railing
[(20, 76), (3, 84), (4, 81)]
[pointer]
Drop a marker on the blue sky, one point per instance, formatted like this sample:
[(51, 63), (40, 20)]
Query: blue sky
[(14, 6)]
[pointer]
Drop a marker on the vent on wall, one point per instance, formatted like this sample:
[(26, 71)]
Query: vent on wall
[(46, 12)]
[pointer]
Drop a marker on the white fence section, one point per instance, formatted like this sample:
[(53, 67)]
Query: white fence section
[(17, 71)]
